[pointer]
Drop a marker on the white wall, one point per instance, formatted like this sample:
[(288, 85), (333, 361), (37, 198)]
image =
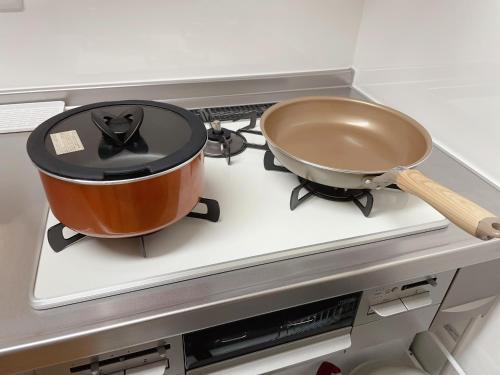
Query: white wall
[(61, 42), (430, 36), (438, 61)]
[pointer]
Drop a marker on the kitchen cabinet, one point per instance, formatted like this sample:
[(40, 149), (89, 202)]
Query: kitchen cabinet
[(469, 318)]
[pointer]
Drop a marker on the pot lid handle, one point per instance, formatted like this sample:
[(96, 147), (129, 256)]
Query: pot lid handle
[(119, 129)]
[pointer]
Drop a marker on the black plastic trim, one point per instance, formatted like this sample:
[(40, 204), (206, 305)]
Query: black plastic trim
[(269, 164), (269, 330), (56, 239), (213, 210)]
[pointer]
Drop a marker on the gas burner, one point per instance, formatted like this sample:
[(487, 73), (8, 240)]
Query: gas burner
[(331, 193), (322, 191), (224, 143), (58, 242)]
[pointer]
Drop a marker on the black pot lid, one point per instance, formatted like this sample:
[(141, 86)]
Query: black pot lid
[(116, 140)]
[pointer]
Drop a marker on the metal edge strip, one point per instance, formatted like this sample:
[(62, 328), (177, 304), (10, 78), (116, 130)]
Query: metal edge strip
[(46, 303), (187, 88)]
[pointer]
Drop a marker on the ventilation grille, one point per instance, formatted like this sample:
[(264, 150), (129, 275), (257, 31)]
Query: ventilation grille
[(233, 113)]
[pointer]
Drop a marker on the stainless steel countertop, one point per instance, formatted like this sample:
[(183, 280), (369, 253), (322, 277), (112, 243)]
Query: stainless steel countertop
[(31, 338)]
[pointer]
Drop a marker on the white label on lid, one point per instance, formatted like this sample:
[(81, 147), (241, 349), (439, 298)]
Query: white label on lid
[(65, 142)]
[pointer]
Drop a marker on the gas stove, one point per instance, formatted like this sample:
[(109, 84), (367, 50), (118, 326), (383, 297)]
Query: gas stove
[(266, 214)]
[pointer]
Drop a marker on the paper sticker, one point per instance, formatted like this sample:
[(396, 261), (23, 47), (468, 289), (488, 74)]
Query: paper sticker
[(66, 142)]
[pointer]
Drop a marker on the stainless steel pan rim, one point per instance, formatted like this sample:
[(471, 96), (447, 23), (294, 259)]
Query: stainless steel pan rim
[(277, 106)]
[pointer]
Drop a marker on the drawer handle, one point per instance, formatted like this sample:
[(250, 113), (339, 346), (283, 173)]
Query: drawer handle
[(231, 339), (295, 324)]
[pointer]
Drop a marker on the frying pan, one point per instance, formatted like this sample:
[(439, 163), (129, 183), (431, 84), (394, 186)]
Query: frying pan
[(352, 144)]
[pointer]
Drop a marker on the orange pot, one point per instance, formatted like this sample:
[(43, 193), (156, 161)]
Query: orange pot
[(101, 187)]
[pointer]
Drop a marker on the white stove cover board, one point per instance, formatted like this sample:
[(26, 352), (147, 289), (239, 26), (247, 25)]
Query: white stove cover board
[(256, 226)]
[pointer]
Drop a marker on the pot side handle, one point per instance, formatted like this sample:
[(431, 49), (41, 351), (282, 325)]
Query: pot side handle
[(466, 214)]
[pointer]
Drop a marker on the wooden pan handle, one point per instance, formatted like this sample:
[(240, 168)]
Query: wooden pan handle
[(464, 213)]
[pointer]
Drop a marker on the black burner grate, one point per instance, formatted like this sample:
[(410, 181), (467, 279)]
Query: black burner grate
[(326, 192), (333, 194), (226, 143), (58, 242), (232, 113)]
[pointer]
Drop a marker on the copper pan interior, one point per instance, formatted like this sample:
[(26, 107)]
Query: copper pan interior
[(346, 135)]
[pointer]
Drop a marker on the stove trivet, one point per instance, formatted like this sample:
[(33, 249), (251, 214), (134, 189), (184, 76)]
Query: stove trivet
[(224, 143), (331, 193), (322, 191), (58, 242), (270, 165)]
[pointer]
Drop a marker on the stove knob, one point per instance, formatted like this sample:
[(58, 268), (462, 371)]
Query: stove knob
[(216, 126)]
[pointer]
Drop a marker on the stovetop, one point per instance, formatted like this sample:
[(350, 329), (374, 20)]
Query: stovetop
[(256, 226)]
